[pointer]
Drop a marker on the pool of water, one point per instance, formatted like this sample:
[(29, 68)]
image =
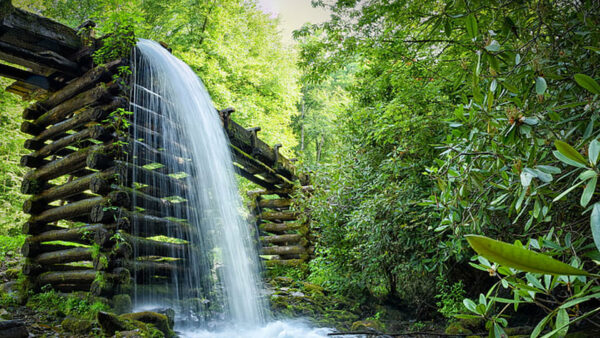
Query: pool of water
[(276, 329)]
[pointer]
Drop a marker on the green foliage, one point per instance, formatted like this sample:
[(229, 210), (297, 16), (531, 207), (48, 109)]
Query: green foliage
[(77, 306), (450, 297)]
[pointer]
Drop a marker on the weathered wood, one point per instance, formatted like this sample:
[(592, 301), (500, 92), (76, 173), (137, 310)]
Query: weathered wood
[(147, 226), (279, 227), (38, 61), (31, 31), (85, 82), (154, 205), (150, 268), (287, 238), (30, 207), (30, 249), (67, 211), (62, 192), (284, 262), (275, 203), (146, 176), (283, 250), (147, 247), (64, 256), (99, 94), (250, 177), (279, 215), (31, 268), (82, 277), (27, 77), (94, 132), (38, 229), (84, 235), (92, 114)]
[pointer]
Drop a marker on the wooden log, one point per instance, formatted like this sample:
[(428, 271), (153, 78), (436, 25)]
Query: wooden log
[(38, 229), (150, 268), (279, 215), (31, 268), (30, 249), (74, 140), (38, 61), (101, 73), (30, 207), (275, 203), (83, 235), (280, 227), (146, 155), (13, 329), (148, 226), (283, 250), (156, 140), (28, 77), (287, 238), (147, 247), (82, 277), (284, 262), (146, 176), (34, 180), (31, 31), (99, 94), (89, 115), (156, 206), (64, 256), (254, 179), (62, 192)]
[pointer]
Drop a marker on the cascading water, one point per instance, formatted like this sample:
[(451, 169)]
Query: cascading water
[(205, 265), (179, 140)]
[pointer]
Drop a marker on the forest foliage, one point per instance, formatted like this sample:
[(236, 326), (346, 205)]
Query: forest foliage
[(420, 122)]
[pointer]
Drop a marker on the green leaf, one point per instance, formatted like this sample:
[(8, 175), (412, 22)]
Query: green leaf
[(564, 193), (562, 322), (586, 175), (588, 192), (519, 258), (567, 160), (569, 152), (595, 224), (470, 305), (540, 326), (587, 83), (579, 300), (593, 151), (494, 46), (540, 85), (472, 29)]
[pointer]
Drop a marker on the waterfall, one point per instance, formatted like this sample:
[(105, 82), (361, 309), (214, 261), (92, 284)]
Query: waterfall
[(205, 265)]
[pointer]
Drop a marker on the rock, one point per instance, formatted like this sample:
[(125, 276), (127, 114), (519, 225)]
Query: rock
[(297, 294), (110, 323), (159, 320), (12, 273), (458, 329), (473, 324), (283, 280), (369, 324), (129, 334), (75, 325), (121, 304), (13, 329), (5, 315)]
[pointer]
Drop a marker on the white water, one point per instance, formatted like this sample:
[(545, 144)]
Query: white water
[(217, 291), (171, 99)]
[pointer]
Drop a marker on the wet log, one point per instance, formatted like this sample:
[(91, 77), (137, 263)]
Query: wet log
[(101, 73), (275, 203), (154, 205), (145, 176), (30, 59), (62, 192), (31, 268), (150, 268), (280, 227), (279, 216), (99, 94), (147, 247), (148, 226), (147, 155), (283, 250), (83, 277), (74, 140), (38, 229), (287, 238), (68, 164), (64, 256), (89, 115), (156, 140), (30, 249), (13, 329), (257, 180), (84, 235), (284, 262), (30, 207)]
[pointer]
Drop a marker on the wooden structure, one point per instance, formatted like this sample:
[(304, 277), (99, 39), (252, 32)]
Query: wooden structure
[(80, 180)]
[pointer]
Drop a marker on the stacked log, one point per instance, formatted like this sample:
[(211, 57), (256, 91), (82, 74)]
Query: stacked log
[(284, 234)]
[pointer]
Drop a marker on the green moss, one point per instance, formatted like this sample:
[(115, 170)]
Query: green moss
[(75, 325)]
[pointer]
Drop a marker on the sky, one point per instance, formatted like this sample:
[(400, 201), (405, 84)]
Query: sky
[(293, 14)]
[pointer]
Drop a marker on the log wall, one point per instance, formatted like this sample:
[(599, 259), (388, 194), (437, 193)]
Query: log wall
[(80, 180)]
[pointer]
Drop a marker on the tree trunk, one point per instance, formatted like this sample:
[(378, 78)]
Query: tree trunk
[(64, 256), (283, 250)]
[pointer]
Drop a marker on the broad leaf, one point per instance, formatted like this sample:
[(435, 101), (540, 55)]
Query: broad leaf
[(540, 85), (569, 152), (588, 192), (472, 29), (562, 322), (587, 83), (519, 258), (593, 151), (595, 224), (494, 46)]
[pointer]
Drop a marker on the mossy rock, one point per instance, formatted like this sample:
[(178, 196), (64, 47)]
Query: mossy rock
[(368, 324), (473, 324), (158, 320), (121, 304), (75, 325), (458, 329), (112, 324)]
